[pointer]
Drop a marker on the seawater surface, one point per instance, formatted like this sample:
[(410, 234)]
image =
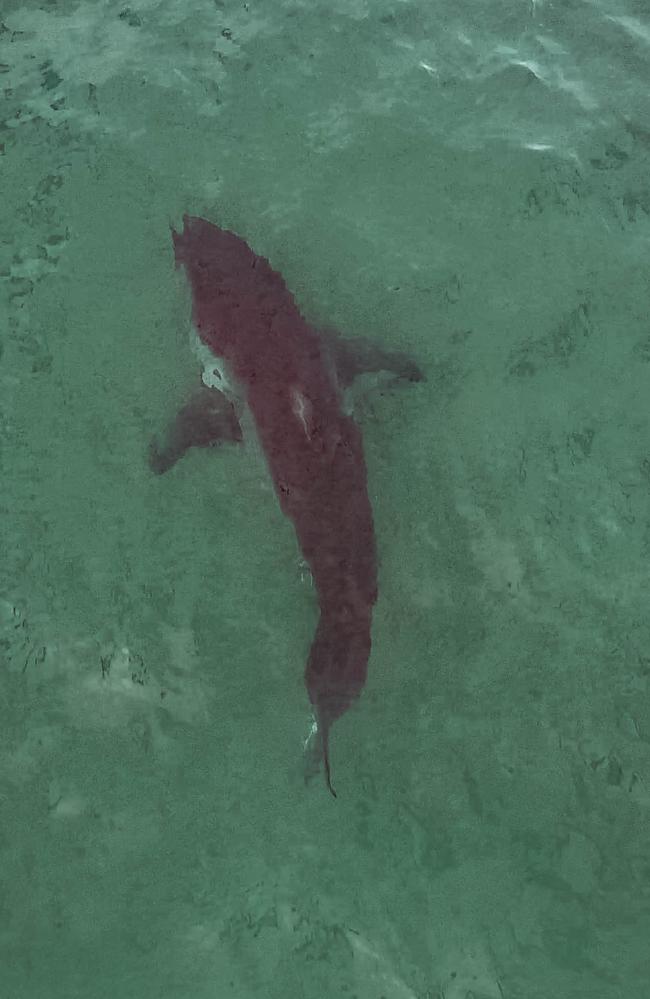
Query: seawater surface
[(468, 183)]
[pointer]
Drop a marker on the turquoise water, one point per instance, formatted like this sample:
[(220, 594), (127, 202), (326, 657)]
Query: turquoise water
[(466, 183)]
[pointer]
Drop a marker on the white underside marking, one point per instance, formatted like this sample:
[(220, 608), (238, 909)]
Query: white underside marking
[(214, 374), (301, 408), (213, 368)]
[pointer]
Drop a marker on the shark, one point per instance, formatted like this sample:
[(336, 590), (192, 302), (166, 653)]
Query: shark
[(290, 380)]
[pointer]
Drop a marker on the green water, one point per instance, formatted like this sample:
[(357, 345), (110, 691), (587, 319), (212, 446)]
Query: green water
[(465, 184)]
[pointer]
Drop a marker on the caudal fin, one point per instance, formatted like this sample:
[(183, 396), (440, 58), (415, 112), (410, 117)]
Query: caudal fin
[(317, 753)]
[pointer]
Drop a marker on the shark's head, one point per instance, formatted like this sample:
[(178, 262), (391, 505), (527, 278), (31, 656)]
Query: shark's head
[(226, 277), (203, 246)]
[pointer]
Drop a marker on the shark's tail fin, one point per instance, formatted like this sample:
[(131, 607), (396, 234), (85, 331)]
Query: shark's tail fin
[(317, 752), (324, 727)]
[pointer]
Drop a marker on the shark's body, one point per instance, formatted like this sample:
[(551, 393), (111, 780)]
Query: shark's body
[(291, 377)]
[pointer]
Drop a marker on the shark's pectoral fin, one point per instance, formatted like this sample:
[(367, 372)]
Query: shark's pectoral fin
[(352, 358), (207, 419)]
